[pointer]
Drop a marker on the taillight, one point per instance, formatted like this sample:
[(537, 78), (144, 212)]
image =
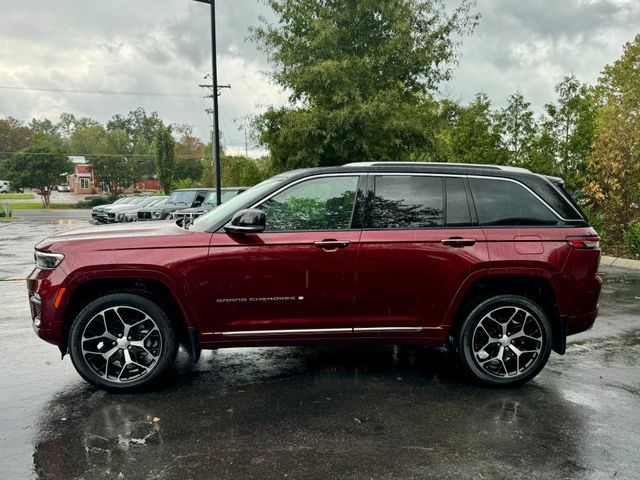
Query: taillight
[(588, 243)]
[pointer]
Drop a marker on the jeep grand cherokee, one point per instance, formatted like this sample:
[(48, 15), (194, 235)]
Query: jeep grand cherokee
[(496, 262)]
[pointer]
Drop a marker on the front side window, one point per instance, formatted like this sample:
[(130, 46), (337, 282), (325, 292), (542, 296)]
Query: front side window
[(405, 202), (325, 203), (506, 203)]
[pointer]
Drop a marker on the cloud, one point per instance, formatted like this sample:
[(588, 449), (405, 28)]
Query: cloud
[(164, 46)]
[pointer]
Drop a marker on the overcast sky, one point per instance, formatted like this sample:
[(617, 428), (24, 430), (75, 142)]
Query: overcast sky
[(163, 46)]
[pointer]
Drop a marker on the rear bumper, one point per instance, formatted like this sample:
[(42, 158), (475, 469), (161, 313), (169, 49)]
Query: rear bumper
[(581, 323)]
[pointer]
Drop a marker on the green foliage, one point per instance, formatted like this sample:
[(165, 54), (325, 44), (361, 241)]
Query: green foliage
[(185, 183), (5, 211), (359, 74), (116, 171), (39, 166), (518, 129), (614, 162), (475, 134), (90, 202), (632, 239), (165, 157), (598, 222)]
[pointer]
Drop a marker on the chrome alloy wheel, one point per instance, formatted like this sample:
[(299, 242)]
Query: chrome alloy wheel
[(507, 341), (121, 344)]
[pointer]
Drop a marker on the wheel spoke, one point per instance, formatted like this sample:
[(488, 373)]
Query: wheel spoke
[(99, 349), (516, 351)]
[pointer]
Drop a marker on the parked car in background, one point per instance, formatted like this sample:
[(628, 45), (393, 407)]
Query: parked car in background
[(132, 215), (63, 188), (107, 213), (184, 198), (98, 212), (209, 203), (495, 263), (5, 186), (115, 210), (153, 212)]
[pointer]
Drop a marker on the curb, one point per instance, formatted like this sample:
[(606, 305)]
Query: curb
[(607, 261)]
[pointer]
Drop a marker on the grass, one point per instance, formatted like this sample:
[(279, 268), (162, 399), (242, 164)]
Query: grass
[(9, 219), (38, 206), (16, 196)]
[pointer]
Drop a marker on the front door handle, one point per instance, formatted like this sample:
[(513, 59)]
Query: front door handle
[(458, 242), (332, 245)]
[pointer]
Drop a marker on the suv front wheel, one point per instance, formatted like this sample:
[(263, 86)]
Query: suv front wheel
[(122, 341), (505, 340)]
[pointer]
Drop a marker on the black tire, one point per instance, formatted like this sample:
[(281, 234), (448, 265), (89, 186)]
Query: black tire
[(471, 337), (129, 305)]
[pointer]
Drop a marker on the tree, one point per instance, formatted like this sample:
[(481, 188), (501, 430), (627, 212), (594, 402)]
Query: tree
[(39, 166), (165, 157), (518, 130), (568, 130), (189, 151), (359, 74), (115, 170), (614, 163), (14, 136), (474, 135)]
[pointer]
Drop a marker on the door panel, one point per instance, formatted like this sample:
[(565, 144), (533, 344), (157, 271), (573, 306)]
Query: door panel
[(408, 278), (297, 275), (283, 281)]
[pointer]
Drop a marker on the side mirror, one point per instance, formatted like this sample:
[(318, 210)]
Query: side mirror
[(250, 220)]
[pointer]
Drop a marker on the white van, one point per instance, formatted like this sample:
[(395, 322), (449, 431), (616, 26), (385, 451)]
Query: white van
[(4, 186)]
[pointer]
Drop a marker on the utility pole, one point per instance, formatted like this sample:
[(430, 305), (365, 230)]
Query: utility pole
[(214, 78)]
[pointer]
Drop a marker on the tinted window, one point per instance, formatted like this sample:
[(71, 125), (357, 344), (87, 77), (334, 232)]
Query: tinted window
[(458, 213), (501, 202), (319, 204), (407, 202), (182, 197)]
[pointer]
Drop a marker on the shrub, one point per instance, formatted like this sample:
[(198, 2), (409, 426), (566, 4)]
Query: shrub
[(5, 211), (185, 183), (632, 239), (90, 202), (597, 221)]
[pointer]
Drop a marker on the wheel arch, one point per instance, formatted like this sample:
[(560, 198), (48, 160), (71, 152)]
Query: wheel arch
[(83, 291), (537, 288)]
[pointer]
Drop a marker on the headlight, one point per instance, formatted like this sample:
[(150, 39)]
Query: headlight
[(48, 261), (120, 217), (156, 214)]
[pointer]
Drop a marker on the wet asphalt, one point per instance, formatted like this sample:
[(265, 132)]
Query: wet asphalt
[(318, 412)]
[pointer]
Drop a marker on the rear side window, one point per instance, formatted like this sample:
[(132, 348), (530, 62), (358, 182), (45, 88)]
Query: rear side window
[(404, 202), (501, 202), (458, 213)]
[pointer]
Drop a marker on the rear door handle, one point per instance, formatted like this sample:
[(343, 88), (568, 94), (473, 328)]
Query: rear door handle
[(458, 242), (332, 245)]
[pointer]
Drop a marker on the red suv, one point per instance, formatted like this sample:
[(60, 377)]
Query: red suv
[(496, 262)]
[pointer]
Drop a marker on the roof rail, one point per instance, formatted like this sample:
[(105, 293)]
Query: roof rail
[(505, 168)]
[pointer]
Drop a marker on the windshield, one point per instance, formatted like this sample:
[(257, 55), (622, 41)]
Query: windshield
[(246, 198), (157, 201), (137, 200), (224, 196), (182, 197), (147, 202)]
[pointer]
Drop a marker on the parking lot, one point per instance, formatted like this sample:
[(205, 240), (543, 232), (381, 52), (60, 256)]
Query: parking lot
[(317, 412)]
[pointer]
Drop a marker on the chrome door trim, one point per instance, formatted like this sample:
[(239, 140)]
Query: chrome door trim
[(296, 330), (387, 329), (322, 330)]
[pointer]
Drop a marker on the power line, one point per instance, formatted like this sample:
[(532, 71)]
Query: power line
[(103, 92), (97, 154)]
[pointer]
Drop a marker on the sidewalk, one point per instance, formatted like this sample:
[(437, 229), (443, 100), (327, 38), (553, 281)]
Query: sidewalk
[(608, 261)]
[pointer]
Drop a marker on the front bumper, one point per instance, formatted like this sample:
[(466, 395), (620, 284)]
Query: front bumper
[(43, 287)]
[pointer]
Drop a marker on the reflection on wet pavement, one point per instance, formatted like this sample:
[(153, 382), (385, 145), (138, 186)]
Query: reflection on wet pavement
[(328, 412)]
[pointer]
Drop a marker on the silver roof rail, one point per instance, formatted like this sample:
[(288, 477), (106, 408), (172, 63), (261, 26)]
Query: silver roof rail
[(504, 168)]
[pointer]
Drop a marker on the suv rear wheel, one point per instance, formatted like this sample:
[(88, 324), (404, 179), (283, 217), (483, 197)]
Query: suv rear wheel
[(122, 341), (505, 340)]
